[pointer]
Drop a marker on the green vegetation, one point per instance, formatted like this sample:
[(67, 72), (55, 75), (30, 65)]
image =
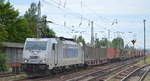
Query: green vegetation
[(46, 32), (103, 43), (31, 17), (79, 39), (15, 28), (3, 60), (147, 60), (118, 43), (3, 33)]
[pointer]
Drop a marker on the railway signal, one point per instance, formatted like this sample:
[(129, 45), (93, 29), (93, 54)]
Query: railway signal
[(133, 42)]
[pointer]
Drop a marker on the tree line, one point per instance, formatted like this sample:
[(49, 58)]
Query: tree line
[(115, 43), (16, 28)]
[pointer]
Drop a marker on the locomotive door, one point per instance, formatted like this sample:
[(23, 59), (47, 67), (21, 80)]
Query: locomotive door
[(55, 52)]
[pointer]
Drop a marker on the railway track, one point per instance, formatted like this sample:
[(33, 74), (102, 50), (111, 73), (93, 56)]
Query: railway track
[(64, 77), (132, 73), (7, 74), (77, 76), (120, 74), (100, 74), (138, 74)]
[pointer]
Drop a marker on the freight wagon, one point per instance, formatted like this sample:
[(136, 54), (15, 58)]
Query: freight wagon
[(95, 55), (113, 54)]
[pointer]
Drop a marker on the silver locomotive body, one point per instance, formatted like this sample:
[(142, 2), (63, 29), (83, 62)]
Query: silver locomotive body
[(42, 55)]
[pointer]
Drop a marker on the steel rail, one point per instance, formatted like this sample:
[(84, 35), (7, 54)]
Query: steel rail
[(131, 73), (144, 75), (104, 71)]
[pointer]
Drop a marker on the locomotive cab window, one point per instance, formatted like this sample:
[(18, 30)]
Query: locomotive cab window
[(36, 45), (53, 46)]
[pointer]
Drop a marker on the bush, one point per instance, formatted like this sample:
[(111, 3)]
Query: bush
[(3, 60)]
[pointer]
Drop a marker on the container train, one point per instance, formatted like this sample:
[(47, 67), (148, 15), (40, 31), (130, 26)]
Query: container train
[(49, 55)]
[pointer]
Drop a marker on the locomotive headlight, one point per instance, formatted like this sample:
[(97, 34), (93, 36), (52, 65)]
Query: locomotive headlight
[(43, 61), (25, 60)]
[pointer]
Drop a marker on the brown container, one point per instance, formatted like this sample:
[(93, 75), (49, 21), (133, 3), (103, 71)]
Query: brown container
[(113, 53)]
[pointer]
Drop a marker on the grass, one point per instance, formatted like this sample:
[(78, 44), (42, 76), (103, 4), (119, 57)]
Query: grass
[(10, 78), (147, 78), (147, 60)]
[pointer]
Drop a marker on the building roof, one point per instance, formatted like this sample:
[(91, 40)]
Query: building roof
[(13, 45)]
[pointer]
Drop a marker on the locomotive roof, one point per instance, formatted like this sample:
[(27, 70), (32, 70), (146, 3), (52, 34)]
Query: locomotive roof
[(69, 42), (38, 39), (52, 39), (42, 39)]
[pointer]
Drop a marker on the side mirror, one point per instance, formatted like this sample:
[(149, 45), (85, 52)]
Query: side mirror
[(53, 46)]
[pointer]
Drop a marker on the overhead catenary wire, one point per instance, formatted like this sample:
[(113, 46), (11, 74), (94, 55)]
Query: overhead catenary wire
[(71, 11), (61, 9), (70, 26), (94, 12), (79, 15)]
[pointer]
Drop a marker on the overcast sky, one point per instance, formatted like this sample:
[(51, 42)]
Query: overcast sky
[(129, 15)]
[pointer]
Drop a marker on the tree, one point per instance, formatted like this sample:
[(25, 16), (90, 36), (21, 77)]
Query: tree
[(118, 43), (20, 31), (2, 1), (8, 14), (3, 60), (3, 33), (31, 16), (79, 39), (46, 32), (14, 26), (103, 43)]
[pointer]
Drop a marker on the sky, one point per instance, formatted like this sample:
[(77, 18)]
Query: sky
[(76, 14)]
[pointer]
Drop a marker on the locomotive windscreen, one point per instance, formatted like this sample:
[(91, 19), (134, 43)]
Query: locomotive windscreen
[(36, 45)]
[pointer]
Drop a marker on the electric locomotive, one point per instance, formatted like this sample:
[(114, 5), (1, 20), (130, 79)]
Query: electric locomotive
[(45, 55)]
